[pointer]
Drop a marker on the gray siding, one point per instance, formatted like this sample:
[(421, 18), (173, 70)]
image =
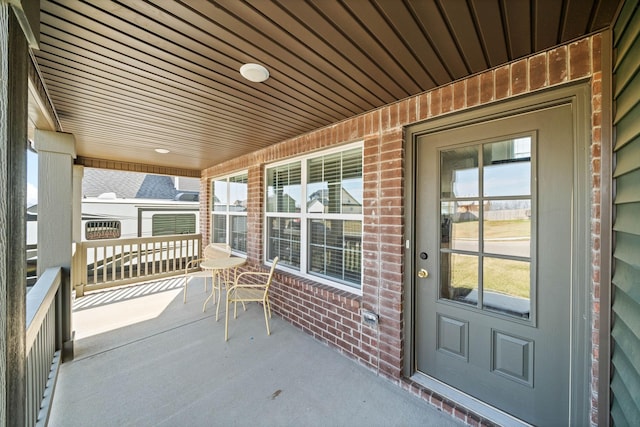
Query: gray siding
[(625, 377)]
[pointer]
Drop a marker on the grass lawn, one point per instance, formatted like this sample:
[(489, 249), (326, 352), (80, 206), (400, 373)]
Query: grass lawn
[(500, 275)]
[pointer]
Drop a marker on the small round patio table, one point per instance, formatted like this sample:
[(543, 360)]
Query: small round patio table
[(221, 269)]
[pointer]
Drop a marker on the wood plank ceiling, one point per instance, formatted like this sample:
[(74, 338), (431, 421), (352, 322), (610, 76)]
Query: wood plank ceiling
[(129, 76)]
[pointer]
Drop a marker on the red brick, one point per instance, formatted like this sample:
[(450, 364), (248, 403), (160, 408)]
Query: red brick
[(447, 99), (423, 106), (412, 110), (579, 59), (487, 87), (403, 112), (459, 95), (435, 103), (368, 124), (502, 82), (394, 136), (394, 115), (558, 65), (473, 91), (446, 407), (392, 371), (385, 118), (596, 53), (596, 106), (377, 121), (519, 77)]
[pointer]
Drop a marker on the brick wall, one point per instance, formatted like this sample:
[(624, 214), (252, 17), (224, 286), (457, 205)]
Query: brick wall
[(334, 316)]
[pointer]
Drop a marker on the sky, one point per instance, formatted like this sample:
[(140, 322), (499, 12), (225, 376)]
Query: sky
[(32, 178)]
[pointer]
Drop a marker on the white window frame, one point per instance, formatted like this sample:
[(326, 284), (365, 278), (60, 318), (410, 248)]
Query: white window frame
[(305, 216), (228, 214)]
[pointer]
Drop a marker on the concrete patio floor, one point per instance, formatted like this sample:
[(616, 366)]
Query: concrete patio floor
[(143, 358)]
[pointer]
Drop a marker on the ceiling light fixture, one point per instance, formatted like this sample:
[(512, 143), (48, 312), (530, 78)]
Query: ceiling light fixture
[(254, 72), (162, 150)]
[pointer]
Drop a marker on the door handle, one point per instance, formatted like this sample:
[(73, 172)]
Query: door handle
[(423, 274)]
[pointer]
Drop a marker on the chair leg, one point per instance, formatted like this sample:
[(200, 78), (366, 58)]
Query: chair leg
[(214, 287), (266, 319), (218, 303), (184, 298), (266, 301), (226, 321)]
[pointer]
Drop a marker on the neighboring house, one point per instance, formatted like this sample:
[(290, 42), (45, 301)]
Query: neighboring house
[(128, 204), (134, 185), (319, 202)]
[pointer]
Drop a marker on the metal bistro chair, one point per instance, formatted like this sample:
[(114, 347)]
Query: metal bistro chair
[(211, 251), (250, 286)]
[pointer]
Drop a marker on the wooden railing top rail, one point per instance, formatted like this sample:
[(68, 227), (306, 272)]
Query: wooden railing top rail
[(39, 299), (134, 240)]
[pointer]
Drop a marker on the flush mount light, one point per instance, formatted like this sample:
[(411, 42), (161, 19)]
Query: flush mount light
[(162, 150), (254, 72)]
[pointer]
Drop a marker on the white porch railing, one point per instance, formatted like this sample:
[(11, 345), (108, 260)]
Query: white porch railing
[(42, 348), (103, 264)]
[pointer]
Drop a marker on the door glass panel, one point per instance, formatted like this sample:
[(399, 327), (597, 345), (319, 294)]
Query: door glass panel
[(507, 227), (506, 286), (486, 225), (507, 168), (459, 173), (459, 277), (459, 226)]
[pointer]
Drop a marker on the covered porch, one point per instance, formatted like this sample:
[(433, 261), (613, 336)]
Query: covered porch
[(154, 87), (144, 358)]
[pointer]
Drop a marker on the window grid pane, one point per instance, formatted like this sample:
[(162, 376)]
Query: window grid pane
[(229, 197), (284, 188), (219, 229), (283, 236), (219, 195), (238, 193), (239, 233), (335, 248)]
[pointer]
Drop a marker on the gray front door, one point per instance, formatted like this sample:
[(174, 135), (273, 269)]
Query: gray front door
[(494, 255)]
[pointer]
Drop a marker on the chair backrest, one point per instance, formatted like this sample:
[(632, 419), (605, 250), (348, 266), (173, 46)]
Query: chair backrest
[(217, 250), (273, 268)]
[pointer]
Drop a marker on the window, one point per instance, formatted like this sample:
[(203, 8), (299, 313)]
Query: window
[(229, 211), (97, 230), (486, 200), (168, 224), (314, 216)]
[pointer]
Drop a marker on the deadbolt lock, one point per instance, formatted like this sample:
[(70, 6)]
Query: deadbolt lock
[(423, 274)]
